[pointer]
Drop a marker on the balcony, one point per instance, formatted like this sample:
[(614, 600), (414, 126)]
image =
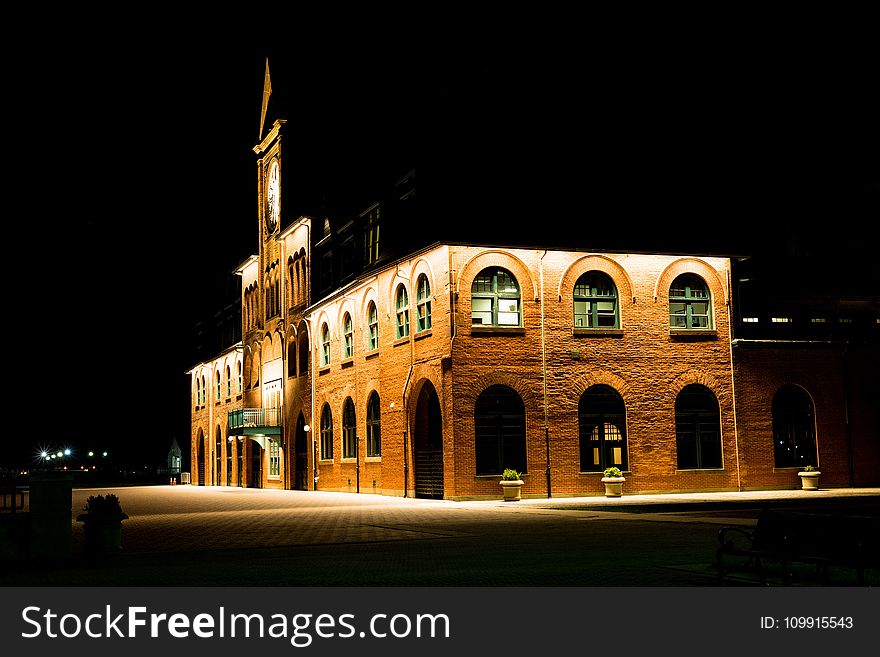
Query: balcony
[(255, 422)]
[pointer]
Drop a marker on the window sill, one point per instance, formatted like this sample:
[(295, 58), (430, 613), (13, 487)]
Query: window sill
[(372, 354), (600, 473), (421, 336), (497, 330), (348, 362), (348, 460), (700, 470), (597, 332), (693, 334), (524, 475), (373, 459), (273, 477), (400, 341), (325, 461)]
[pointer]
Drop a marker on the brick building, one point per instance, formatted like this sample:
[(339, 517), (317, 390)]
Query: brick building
[(373, 362)]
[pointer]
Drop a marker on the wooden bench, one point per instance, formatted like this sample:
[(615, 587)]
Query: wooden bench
[(789, 537)]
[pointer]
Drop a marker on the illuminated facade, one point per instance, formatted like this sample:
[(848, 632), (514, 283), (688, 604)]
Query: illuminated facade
[(369, 365)]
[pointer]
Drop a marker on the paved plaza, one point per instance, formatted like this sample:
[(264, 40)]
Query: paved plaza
[(218, 536)]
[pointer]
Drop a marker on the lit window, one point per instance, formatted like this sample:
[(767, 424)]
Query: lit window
[(780, 320), (373, 324), (349, 430), (697, 428), (602, 429), (595, 301), (325, 345), (495, 299), (845, 320), (326, 432), (348, 342), (402, 306), (750, 320), (274, 458), (371, 241), (374, 426), (423, 303), (689, 303)]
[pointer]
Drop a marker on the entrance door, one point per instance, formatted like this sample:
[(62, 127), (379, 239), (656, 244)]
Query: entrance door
[(428, 445), (256, 465), (201, 459), (301, 464)]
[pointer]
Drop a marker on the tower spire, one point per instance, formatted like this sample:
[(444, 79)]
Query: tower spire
[(267, 91)]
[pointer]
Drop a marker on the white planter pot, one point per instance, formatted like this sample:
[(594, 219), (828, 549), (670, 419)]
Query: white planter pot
[(512, 489), (809, 480), (613, 486)]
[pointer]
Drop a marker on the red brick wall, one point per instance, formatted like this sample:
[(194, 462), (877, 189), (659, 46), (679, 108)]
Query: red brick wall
[(838, 402)]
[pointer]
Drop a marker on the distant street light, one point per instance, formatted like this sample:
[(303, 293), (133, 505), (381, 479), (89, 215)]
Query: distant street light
[(67, 452)]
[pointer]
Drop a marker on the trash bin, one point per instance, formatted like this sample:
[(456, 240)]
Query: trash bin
[(51, 501)]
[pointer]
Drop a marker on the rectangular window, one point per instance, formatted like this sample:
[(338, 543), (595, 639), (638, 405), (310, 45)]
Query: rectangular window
[(817, 320), (508, 312), (780, 320), (481, 311), (371, 238), (750, 320), (274, 458)]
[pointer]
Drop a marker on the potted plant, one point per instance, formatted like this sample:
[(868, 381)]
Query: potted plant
[(102, 522), (511, 484), (809, 478), (613, 481)]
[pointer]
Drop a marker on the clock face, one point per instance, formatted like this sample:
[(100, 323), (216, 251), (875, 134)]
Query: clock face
[(273, 210)]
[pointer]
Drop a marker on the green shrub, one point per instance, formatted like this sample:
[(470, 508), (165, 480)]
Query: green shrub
[(613, 472), (510, 475)]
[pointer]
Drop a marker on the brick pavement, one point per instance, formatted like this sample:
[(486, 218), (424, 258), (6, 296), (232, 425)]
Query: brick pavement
[(225, 536)]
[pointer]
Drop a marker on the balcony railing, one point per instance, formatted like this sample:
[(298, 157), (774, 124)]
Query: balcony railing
[(254, 418)]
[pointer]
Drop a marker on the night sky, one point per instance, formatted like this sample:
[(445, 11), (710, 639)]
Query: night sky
[(134, 157)]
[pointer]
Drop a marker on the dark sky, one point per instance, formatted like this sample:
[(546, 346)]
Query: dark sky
[(138, 185)]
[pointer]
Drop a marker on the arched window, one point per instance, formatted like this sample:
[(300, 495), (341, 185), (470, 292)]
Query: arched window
[(303, 353), (325, 345), (349, 430), (374, 426), (347, 337), (602, 429), (423, 303), (217, 386), (495, 299), (228, 382), (204, 391), (500, 431), (326, 433), (689, 303), (794, 432), (402, 306), (238, 367), (292, 283), (595, 301), (291, 358), (198, 393), (697, 428), (373, 325)]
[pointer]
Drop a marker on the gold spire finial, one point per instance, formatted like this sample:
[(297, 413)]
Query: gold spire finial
[(267, 91)]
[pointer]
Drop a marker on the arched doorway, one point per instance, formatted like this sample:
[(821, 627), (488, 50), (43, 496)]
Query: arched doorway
[(256, 478), (201, 459), (218, 457), (301, 461), (428, 444)]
